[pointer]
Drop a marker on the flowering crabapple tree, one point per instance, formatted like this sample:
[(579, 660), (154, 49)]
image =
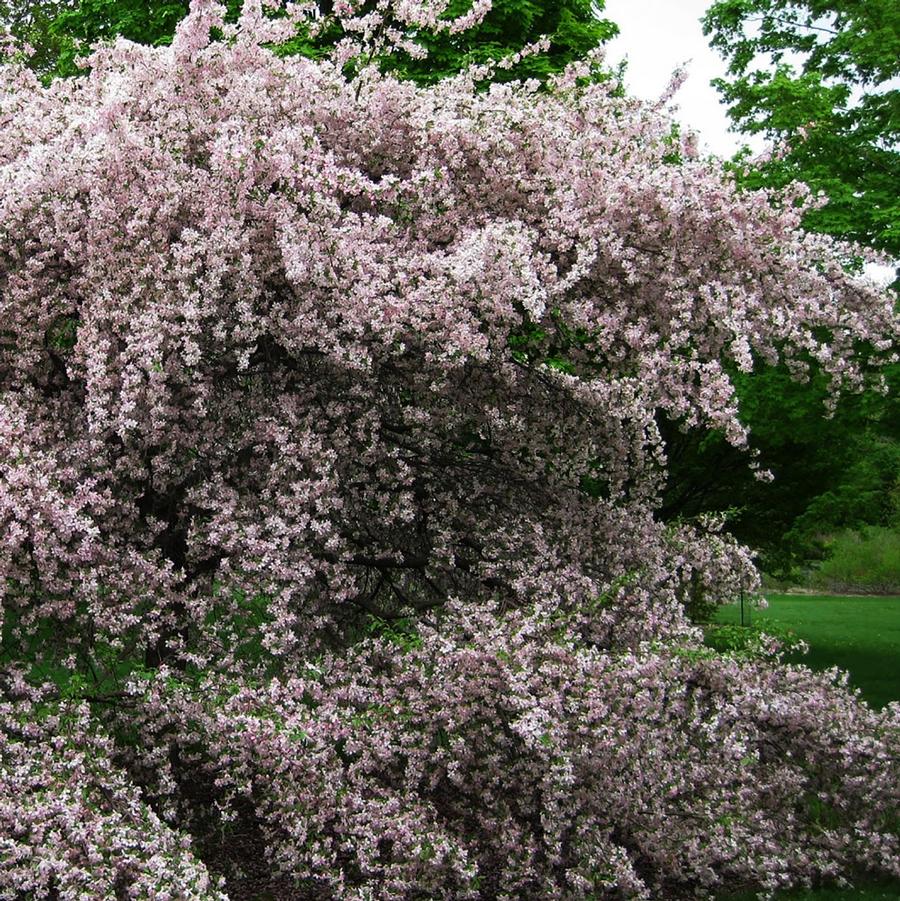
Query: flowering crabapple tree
[(329, 470)]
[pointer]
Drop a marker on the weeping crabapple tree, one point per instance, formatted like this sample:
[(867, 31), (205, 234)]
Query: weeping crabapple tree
[(329, 465)]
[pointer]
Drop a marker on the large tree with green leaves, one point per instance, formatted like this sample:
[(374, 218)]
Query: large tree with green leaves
[(63, 30), (820, 78)]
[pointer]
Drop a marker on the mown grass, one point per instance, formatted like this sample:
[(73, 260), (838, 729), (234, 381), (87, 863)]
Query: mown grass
[(882, 890), (857, 634)]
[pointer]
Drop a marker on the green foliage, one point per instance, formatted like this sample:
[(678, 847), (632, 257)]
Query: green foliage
[(820, 75), (562, 348), (30, 22), (865, 561), (829, 474), (572, 26), (97, 673), (63, 30), (237, 619), (401, 632), (753, 641), (63, 334)]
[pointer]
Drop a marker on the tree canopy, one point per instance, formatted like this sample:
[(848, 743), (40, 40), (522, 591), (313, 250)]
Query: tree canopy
[(820, 78), (330, 473), (63, 30)]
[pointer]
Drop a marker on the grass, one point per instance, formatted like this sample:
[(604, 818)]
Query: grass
[(857, 634), (884, 890), (862, 636)]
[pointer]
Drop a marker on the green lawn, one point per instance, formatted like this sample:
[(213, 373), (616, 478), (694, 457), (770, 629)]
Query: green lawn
[(884, 890), (860, 635)]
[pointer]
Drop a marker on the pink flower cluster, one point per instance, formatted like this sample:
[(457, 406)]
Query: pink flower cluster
[(513, 761), (283, 355), (72, 825)]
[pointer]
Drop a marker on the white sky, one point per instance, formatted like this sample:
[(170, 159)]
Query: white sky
[(656, 37)]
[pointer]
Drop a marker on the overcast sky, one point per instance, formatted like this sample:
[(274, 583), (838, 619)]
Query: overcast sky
[(657, 36)]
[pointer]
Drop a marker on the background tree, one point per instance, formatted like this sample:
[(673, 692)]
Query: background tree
[(828, 474), (30, 23), (574, 27), (819, 80), (64, 30)]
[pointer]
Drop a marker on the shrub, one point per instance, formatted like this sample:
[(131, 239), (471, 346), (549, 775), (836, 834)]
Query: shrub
[(867, 560), (500, 761), (288, 361)]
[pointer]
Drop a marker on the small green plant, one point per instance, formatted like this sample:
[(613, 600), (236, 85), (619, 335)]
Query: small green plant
[(63, 333), (401, 632), (766, 640)]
